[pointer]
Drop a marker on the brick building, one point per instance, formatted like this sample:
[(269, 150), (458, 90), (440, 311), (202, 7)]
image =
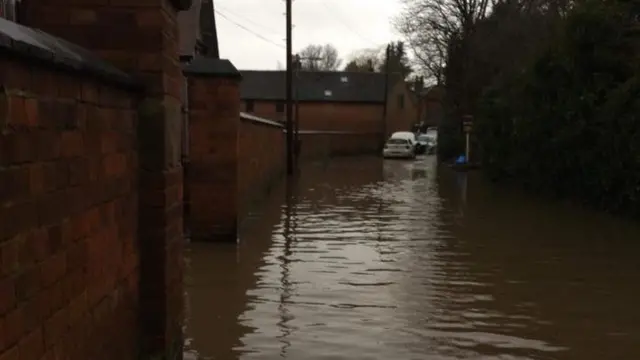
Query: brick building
[(431, 107), (331, 101)]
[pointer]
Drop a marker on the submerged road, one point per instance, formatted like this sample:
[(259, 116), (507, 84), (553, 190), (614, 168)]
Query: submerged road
[(371, 259)]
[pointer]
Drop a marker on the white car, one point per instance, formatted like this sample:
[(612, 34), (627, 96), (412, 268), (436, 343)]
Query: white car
[(428, 142), (400, 145)]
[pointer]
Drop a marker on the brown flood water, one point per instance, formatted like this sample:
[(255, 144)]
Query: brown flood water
[(400, 260)]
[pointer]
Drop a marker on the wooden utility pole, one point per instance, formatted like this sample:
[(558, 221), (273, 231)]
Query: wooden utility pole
[(290, 65), (297, 112)]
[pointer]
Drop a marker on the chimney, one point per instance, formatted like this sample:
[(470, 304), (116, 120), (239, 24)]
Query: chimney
[(370, 65)]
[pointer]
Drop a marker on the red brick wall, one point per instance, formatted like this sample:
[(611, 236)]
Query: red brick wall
[(321, 144), (432, 109), (265, 109), (141, 37), (261, 160), (328, 116), (401, 118), (68, 217), (214, 117)]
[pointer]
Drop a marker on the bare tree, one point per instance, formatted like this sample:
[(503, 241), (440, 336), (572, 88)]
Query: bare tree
[(366, 60), (429, 25), (320, 58)]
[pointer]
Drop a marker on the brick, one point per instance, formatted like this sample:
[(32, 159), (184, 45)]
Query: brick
[(17, 76), (150, 18), (114, 15), (48, 209), (17, 112), (82, 16), (56, 327), (31, 111), (53, 268), (28, 283), (17, 148), (36, 179), (55, 296), (78, 171), (109, 142), (78, 307), (22, 215), (47, 145), (150, 62), (13, 326), (14, 183), (7, 295), (9, 354), (71, 143), (4, 109), (9, 256), (35, 248), (74, 284), (115, 164), (31, 347), (89, 92), (34, 311), (69, 88)]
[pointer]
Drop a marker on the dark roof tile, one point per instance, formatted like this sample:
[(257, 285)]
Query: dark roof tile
[(314, 86)]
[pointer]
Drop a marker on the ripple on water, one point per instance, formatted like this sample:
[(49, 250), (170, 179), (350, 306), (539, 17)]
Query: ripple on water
[(374, 263)]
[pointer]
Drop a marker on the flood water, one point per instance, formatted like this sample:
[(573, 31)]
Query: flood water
[(394, 260)]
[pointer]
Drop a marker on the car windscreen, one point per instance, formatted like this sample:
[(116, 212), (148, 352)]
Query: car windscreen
[(397, 142)]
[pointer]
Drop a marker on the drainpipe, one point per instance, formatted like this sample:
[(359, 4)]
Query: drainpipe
[(185, 157)]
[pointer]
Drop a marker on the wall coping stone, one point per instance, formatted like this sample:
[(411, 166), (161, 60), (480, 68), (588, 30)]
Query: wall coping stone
[(33, 45), (259, 120), (209, 67)]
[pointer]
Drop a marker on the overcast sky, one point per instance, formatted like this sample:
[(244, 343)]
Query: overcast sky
[(251, 33)]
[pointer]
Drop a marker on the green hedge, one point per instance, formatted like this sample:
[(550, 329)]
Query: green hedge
[(568, 124)]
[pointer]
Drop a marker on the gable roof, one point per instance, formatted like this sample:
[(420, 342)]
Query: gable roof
[(189, 29), (208, 30), (330, 86), (197, 30)]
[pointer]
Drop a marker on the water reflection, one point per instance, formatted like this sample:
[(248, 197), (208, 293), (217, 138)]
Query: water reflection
[(365, 259)]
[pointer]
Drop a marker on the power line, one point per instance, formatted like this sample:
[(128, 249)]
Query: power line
[(249, 30), (346, 23), (246, 19)]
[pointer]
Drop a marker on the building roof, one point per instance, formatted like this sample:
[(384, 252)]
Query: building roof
[(314, 86), (208, 29), (189, 28), (197, 28)]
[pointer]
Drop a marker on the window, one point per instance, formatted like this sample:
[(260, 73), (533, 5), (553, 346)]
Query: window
[(248, 106), (280, 107), (328, 93), (344, 79), (401, 101)]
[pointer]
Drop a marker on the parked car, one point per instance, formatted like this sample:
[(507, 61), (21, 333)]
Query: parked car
[(423, 144), (401, 144), (429, 141)]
